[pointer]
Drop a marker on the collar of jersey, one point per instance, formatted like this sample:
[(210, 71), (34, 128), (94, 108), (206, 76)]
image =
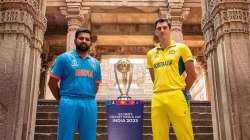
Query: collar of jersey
[(158, 45), (78, 55)]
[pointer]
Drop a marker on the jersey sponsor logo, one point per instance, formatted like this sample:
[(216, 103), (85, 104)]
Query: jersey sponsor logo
[(87, 73), (163, 64)]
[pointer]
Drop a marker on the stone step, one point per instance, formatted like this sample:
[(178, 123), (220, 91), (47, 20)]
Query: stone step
[(103, 129), (54, 108), (46, 123), (102, 115), (103, 136), (102, 103), (146, 122)]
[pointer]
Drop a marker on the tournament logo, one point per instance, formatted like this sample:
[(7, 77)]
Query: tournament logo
[(172, 52), (157, 54), (74, 63)]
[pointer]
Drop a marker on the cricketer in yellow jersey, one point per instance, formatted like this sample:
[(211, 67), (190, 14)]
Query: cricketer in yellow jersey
[(172, 71)]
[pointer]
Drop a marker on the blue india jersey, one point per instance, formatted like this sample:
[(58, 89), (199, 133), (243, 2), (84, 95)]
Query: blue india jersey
[(78, 75)]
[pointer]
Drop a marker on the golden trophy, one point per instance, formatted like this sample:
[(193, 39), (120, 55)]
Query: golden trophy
[(125, 67)]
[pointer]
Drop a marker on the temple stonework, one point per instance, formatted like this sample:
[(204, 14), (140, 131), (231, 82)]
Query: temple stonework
[(225, 25), (122, 29), (22, 28), (34, 32)]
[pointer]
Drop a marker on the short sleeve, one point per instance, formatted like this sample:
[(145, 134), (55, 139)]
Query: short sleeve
[(57, 67), (186, 54), (149, 61), (98, 75)]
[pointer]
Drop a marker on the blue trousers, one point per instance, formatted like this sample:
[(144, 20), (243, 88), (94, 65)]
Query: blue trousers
[(77, 114)]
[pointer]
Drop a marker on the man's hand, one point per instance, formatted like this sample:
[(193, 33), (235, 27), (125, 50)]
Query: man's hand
[(187, 96), (191, 75), (97, 85), (152, 75), (53, 85)]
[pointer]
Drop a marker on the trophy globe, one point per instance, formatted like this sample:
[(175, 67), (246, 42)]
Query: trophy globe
[(125, 68)]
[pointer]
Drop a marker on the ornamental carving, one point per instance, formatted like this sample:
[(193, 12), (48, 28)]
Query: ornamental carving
[(176, 25), (234, 15), (237, 19), (217, 21), (212, 4), (34, 3), (176, 14), (209, 38), (74, 22), (79, 17), (23, 21), (41, 21), (17, 16), (217, 16), (164, 13)]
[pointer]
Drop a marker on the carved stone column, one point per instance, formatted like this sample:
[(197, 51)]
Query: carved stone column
[(207, 83), (176, 13), (225, 28), (77, 16), (44, 69), (249, 16), (22, 27)]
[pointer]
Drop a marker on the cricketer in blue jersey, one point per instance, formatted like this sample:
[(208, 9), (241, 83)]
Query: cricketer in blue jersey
[(79, 75)]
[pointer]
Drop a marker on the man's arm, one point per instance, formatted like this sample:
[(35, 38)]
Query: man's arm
[(97, 85), (53, 85), (152, 75), (191, 75)]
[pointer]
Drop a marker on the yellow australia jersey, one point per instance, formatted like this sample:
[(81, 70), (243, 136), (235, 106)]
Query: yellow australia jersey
[(169, 66)]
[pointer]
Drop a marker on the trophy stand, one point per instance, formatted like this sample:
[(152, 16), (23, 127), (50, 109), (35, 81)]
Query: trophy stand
[(124, 115), (125, 67)]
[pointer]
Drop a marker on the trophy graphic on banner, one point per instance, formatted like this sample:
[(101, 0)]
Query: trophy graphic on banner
[(125, 67)]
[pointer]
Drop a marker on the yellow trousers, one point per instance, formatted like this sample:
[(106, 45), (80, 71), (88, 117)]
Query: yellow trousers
[(171, 107)]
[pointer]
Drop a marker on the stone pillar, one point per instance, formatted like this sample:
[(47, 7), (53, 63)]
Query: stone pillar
[(22, 27), (249, 16), (207, 83), (77, 16), (225, 28), (43, 5), (73, 24), (44, 70), (176, 13)]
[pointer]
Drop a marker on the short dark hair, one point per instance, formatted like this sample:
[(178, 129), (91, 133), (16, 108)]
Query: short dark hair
[(82, 30), (160, 20)]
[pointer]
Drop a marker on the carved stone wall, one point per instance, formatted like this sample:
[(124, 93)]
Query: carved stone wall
[(22, 26), (226, 32)]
